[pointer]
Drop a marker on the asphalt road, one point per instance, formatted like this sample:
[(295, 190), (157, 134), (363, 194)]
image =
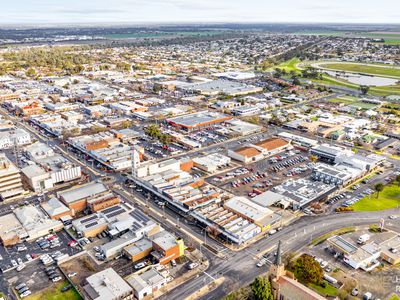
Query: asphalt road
[(239, 268)]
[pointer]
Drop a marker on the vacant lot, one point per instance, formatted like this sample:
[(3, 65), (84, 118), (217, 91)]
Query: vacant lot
[(360, 68), (55, 293), (388, 198)]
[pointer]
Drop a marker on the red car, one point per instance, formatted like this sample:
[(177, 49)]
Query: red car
[(52, 237), (72, 243)]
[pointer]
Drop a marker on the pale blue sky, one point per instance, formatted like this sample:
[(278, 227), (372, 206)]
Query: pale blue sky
[(156, 11)]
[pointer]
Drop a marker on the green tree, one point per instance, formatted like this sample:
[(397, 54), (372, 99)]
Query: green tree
[(165, 139), (364, 89), (261, 288), (308, 269), (378, 188), (153, 131)]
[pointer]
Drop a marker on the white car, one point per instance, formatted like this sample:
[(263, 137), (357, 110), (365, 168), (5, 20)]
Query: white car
[(14, 263), (25, 294), (261, 263), (70, 275), (392, 217), (28, 257), (58, 278), (324, 264), (20, 267), (139, 266)]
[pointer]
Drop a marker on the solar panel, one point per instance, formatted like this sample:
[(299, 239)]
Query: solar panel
[(89, 219), (110, 209), (91, 224), (140, 216), (116, 213)]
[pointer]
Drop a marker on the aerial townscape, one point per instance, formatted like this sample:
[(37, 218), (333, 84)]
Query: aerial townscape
[(210, 160)]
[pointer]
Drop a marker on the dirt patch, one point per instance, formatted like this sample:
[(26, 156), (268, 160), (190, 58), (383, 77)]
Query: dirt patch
[(83, 266)]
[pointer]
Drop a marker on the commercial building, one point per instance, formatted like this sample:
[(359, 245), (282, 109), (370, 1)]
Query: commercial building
[(11, 230), (255, 152), (251, 211), (126, 228), (10, 180), (13, 136), (298, 140), (127, 107), (246, 110), (56, 209), (35, 222), (328, 153), (48, 168), (365, 256), (105, 148), (78, 198), (198, 120), (221, 86), (146, 283), (90, 226), (166, 247), (107, 285), (331, 175), (304, 191), (212, 162)]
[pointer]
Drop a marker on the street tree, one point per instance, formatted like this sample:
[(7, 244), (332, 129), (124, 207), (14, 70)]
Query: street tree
[(308, 269), (378, 188)]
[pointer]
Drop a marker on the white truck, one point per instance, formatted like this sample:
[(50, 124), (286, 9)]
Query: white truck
[(363, 238)]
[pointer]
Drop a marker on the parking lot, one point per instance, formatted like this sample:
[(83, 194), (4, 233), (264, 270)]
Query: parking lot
[(32, 251), (250, 180)]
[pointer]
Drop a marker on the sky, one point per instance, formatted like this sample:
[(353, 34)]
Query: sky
[(179, 11)]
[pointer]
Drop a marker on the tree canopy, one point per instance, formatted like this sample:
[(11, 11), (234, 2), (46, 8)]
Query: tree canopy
[(261, 288), (308, 269)]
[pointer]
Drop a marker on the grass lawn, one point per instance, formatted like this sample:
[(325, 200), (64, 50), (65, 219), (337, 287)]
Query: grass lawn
[(346, 100), (290, 65), (328, 290), (324, 237), (388, 198), (54, 293), (394, 297), (360, 68)]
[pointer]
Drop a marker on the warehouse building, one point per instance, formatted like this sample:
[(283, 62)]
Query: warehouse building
[(77, 198)]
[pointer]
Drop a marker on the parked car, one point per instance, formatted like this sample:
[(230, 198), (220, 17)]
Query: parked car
[(139, 266), (66, 288), (192, 265)]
